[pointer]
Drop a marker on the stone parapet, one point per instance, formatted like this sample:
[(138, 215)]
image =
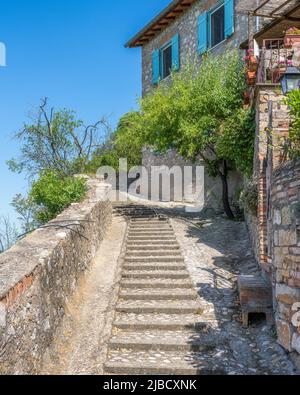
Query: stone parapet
[(39, 274)]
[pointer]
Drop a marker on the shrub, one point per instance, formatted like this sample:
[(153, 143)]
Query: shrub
[(53, 193), (249, 198), (292, 144)]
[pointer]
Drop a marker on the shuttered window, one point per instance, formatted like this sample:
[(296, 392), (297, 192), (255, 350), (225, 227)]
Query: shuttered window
[(166, 59), (216, 25)]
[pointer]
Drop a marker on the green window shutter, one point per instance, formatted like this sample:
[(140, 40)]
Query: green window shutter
[(155, 67), (175, 52), (229, 18), (202, 33)]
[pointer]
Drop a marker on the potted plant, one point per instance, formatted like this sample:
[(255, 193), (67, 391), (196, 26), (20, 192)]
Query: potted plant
[(251, 60), (251, 77), (292, 37)]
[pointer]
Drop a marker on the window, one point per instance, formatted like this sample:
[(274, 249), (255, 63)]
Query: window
[(217, 23), (166, 61)]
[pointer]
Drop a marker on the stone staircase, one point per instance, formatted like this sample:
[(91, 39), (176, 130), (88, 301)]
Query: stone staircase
[(157, 327)]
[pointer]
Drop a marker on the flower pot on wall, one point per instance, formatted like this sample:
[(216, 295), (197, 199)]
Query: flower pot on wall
[(251, 77), (291, 40), (252, 64)]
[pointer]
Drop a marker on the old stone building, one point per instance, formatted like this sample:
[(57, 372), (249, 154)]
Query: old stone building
[(185, 30), (275, 230)]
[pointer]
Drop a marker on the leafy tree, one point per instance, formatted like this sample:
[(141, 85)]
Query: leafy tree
[(27, 211), (56, 141), (125, 142), (8, 233), (292, 144), (53, 193), (201, 115)]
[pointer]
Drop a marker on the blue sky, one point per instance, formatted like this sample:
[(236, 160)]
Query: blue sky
[(71, 51)]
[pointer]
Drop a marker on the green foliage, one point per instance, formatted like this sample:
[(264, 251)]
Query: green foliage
[(201, 114), (249, 198), (125, 142), (27, 211), (236, 141), (53, 193), (292, 146), (56, 140)]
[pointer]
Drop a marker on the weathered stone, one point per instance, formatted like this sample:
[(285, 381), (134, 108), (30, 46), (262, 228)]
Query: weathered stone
[(39, 273), (284, 334), (287, 294), (2, 315), (296, 342), (286, 216), (277, 217), (287, 237)]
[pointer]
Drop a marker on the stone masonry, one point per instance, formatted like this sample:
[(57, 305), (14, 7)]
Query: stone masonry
[(286, 252), (38, 275), (187, 27)]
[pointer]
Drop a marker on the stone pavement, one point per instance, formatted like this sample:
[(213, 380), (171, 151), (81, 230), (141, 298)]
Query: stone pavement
[(161, 326), (216, 251)]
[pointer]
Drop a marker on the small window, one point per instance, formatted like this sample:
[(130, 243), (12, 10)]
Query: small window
[(166, 61), (217, 19)]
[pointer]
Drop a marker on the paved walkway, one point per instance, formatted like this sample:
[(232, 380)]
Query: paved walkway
[(162, 327), (167, 305)]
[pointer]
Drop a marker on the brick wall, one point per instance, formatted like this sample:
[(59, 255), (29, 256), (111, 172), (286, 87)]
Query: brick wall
[(286, 250)]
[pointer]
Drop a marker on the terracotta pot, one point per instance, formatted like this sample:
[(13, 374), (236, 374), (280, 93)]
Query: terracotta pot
[(291, 39), (251, 78)]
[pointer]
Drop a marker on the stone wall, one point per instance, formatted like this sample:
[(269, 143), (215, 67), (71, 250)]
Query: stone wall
[(271, 113), (38, 275), (212, 186), (187, 27), (286, 251)]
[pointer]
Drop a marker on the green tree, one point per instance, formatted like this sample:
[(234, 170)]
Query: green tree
[(27, 211), (125, 142), (201, 115), (292, 144), (8, 233), (57, 141), (52, 193)]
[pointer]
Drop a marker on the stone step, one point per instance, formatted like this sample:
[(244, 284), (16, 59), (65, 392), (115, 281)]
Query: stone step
[(148, 231), (148, 248), (154, 259), (153, 243), (149, 239), (166, 307), (168, 322), (162, 363), (157, 274), (154, 340), (159, 294), (149, 227), (154, 267), (156, 283), (152, 252), (151, 221)]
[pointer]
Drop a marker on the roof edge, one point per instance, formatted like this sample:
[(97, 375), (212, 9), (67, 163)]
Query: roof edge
[(135, 41)]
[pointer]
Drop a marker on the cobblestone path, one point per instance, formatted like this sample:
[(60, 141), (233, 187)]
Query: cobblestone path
[(177, 311)]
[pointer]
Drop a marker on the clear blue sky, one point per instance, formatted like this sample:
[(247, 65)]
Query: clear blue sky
[(71, 51)]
